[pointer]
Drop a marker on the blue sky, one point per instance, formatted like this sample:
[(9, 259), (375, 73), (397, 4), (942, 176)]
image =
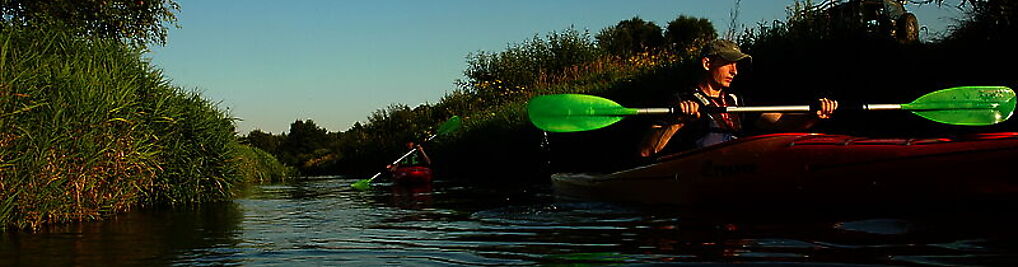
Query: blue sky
[(336, 61)]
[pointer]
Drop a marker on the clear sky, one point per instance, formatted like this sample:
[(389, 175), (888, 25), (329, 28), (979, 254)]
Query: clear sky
[(271, 62)]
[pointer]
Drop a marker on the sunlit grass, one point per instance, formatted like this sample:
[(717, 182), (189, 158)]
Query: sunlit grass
[(89, 128)]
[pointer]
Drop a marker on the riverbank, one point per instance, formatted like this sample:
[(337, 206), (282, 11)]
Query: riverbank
[(807, 56), (89, 127)]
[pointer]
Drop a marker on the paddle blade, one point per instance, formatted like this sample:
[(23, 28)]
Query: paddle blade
[(966, 105), (362, 185), (574, 112), (449, 126)]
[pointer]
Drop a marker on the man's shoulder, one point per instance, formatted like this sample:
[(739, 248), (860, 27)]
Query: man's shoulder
[(687, 94)]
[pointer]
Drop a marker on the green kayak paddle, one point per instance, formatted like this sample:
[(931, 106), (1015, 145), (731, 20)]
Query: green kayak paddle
[(448, 127), (964, 105)]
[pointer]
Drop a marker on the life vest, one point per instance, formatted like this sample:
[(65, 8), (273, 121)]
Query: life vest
[(725, 121)]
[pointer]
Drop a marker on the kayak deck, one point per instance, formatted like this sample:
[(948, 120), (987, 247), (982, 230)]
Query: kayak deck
[(819, 168)]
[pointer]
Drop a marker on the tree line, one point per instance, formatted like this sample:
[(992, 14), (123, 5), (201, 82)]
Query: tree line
[(491, 79), (804, 56)]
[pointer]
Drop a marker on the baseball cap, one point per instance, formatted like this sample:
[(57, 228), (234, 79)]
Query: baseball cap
[(725, 49)]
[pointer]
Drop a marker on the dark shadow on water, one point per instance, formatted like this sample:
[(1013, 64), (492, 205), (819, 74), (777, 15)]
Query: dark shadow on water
[(158, 236)]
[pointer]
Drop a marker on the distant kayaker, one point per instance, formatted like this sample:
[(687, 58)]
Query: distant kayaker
[(720, 60), (418, 158)]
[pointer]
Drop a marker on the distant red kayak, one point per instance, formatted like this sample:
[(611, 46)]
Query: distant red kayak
[(412, 175), (815, 169)]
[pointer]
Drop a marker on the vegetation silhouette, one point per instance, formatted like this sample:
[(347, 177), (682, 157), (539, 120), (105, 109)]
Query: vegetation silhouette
[(808, 55)]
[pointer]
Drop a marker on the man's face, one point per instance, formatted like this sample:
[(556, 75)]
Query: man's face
[(722, 71)]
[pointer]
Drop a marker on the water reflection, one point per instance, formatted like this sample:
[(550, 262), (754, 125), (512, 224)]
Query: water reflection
[(155, 236), (322, 221), (411, 196)]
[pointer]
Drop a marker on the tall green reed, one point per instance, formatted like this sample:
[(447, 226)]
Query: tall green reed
[(88, 127)]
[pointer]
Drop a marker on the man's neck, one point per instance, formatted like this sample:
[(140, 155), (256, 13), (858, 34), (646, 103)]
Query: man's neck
[(710, 89)]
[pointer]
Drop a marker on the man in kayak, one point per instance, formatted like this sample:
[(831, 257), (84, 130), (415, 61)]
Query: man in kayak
[(418, 158), (720, 60)]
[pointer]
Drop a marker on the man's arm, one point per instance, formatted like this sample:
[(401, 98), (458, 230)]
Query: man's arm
[(657, 138), (659, 134), (427, 160)]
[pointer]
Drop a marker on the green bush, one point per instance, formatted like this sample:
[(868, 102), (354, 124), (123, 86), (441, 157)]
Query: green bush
[(496, 77), (258, 166), (87, 128)]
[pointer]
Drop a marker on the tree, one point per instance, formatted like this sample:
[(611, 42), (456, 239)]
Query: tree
[(264, 141), (136, 22), (302, 143), (687, 34), (988, 20), (306, 136), (630, 36)]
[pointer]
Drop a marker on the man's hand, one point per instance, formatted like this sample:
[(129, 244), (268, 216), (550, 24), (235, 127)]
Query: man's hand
[(827, 108), (689, 110)]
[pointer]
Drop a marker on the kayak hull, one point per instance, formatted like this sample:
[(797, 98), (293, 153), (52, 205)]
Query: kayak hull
[(814, 169), (412, 175)]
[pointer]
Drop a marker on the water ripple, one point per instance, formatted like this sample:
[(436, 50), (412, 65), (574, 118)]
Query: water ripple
[(322, 221)]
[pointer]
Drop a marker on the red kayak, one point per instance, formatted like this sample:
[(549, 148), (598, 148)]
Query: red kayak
[(412, 175), (815, 169)]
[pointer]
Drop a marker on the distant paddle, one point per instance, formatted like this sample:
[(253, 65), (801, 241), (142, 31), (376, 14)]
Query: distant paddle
[(449, 126), (964, 105)]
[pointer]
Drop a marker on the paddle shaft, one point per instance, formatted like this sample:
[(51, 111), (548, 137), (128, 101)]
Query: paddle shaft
[(792, 108)]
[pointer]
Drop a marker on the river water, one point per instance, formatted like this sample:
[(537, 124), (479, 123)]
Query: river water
[(321, 221)]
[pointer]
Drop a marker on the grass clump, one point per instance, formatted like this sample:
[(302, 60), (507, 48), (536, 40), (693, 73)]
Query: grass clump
[(258, 166), (88, 128)]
